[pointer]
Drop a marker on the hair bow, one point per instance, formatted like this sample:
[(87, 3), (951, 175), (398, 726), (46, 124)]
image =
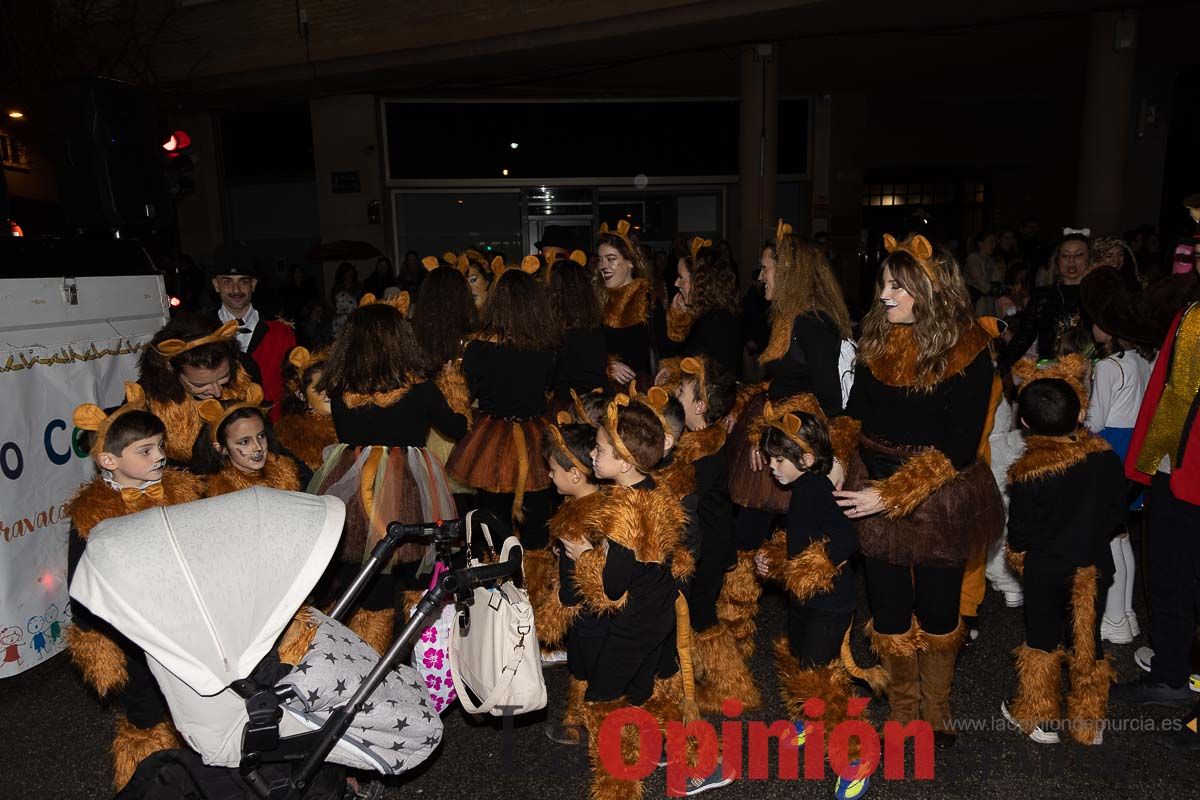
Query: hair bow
[(1084, 232), (173, 347)]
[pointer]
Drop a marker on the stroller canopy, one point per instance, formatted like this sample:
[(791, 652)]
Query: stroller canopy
[(205, 588)]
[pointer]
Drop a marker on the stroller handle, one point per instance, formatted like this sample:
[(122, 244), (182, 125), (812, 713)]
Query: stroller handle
[(467, 579)]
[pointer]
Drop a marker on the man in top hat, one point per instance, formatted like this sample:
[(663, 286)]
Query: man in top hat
[(554, 244), (267, 342)]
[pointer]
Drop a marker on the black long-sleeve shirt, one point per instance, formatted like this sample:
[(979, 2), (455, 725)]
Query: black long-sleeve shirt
[(405, 423), (950, 417), (509, 383), (715, 510), (716, 334), (810, 363), (581, 363), (813, 515), (1067, 520), (1052, 310)]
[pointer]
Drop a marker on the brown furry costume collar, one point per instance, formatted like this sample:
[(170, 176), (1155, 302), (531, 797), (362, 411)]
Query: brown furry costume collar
[(280, 472), (649, 522), (97, 501), (679, 324), (896, 366), (629, 305), (182, 419), (574, 517), (306, 435), (1048, 456), (381, 399), (695, 445)]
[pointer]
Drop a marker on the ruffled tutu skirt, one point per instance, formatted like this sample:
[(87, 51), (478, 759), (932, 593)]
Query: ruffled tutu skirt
[(380, 485), (501, 456)]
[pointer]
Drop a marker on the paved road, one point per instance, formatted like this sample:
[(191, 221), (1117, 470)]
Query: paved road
[(56, 737)]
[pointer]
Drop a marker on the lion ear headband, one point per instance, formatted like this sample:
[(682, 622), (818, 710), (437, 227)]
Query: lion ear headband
[(1074, 369), (789, 425), (91, 417), (916, 246), (170, 348), (529, 265), (656, 400), (698, 244), (695, 367), (621, 232), (561, 443), (301, 358), (399, 301), (212, 412)]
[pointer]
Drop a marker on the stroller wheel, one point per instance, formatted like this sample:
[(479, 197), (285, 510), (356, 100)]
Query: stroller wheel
[(362, 789)]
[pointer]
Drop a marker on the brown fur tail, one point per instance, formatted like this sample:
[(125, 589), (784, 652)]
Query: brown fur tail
[(876, 677)]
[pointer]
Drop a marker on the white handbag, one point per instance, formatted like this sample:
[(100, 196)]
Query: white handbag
[(498, 658)]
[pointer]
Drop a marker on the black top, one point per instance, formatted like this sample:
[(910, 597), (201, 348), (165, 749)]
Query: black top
[(405, 423), (1051, 312), (140, 697), (1067, 520), (509, 383), (582, 362), (756, 318), (630, 346), (716, 334), (810, 363), (587, 623), (814, 515), (950, 417), (648, 615), (715, 510)]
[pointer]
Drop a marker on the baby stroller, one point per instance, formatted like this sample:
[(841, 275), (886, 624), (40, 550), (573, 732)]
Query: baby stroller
[(206, 589)]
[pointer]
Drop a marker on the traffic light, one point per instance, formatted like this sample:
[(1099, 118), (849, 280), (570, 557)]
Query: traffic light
[(180, 164)]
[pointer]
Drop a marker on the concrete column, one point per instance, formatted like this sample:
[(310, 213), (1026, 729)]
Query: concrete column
[(1106, 121), (759, 147), (345, 131), (820, 168)]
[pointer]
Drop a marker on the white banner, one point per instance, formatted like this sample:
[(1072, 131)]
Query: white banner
[(43, 461)]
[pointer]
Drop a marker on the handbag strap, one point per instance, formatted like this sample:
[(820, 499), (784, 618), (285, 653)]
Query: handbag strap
[(487, 537), (498, 691)]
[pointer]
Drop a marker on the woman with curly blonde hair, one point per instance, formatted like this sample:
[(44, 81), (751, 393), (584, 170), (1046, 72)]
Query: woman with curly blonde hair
[(702, 319), (925, 504)]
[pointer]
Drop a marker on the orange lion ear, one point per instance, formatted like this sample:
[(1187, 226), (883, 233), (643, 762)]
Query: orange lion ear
[(300, 358), (889, 243), (768, 411), (254, 394), (623, 228), (1077, 366), (530, 265), (135, 395), (782, 229), (791, 424), (430, 263), (657, 397), (604, 227), (497, 265), (920, 247), (579, 257), (366, 300), (450, 258), (88, 417), (691, 365), (474, 255), (563, 418), (211, 411), (462, 264)]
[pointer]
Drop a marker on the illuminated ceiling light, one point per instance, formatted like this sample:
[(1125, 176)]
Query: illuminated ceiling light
[(629, 216), (514, 145), (14, 114), (460, 202), (504, 172)]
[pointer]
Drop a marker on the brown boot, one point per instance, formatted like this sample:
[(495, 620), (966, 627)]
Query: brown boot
[(737, 604), (936, 675), (1039, 693), (604, 785), (570, 732), (898, 654), (830, 684), (1091, 673), (721, 671)]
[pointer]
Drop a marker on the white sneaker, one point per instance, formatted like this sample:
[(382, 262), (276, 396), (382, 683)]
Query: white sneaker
[(1144, 655), (1116, 632), (1131, 618), (1014, 599), (552, 658), (1039, 735)]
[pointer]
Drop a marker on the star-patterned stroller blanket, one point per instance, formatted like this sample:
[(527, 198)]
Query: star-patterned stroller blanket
[(397, 727)]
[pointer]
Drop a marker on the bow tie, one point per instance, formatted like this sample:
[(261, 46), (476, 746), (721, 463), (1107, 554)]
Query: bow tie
[(136, 496), (242, 327)]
